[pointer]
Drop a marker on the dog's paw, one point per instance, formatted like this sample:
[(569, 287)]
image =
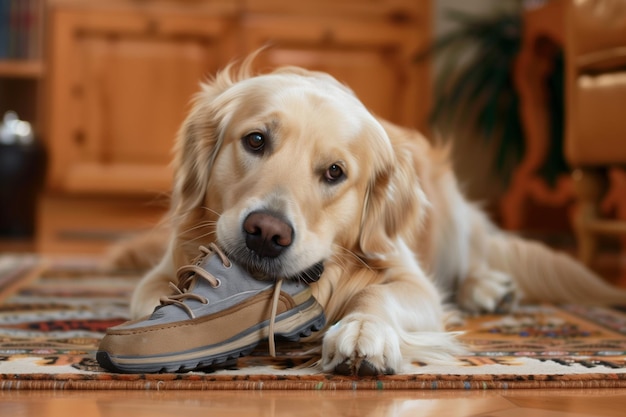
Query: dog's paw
[(361, 344), (139, 252), (487, 291)]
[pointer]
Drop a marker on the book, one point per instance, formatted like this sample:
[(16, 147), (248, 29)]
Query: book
[(5, 6), (20, 29)]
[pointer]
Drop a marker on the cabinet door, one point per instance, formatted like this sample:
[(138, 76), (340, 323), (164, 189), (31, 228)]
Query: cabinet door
[(374, 57), (120, 83)]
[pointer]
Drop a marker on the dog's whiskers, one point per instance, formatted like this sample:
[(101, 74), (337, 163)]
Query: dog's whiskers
[(202, 236), (351, 255), (203, 224), (181, 216), (312, 274), (207, 223), (339, 262), (210, 210)]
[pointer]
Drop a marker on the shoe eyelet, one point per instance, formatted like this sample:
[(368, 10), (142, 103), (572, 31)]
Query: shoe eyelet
[(227, 266), (219, 283)]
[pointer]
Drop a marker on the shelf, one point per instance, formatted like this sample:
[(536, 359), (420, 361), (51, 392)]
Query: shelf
[(21, 68)]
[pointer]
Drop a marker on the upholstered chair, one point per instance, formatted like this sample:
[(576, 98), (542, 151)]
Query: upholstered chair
[(595, 141)]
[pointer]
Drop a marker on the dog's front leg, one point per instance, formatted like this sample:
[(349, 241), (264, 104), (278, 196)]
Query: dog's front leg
[(388, 325), (151, 288), (148, 292)]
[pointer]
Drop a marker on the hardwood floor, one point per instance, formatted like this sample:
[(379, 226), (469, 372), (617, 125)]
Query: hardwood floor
[(535, 403)]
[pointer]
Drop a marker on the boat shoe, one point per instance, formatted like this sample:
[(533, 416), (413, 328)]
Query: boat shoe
[(217, 313)]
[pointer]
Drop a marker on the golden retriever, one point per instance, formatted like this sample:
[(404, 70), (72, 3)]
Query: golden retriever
[(295, 157)]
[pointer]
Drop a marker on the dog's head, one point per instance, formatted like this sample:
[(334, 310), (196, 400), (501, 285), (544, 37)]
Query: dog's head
[(285, 170)]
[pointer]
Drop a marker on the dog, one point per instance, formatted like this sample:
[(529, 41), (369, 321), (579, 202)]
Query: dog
[(291, 175)]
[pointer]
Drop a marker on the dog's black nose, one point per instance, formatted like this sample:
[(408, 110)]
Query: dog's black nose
[(266, 234)]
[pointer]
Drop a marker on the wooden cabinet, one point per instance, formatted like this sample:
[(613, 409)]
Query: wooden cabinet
[(370, 46), (120, 78), (120, 75), (120, 84), (372, 58)]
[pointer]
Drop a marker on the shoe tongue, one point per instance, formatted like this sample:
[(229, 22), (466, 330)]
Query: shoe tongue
[(233, 281), (197, 285)]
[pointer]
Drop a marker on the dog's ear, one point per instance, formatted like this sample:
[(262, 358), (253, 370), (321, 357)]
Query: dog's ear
[(200, 138), (197, 142), (393, 201)]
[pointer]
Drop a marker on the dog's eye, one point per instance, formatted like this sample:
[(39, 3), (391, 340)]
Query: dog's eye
[(254, 141), (334, 173)]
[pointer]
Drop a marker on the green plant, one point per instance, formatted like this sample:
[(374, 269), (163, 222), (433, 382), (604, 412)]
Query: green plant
[(475, 92)]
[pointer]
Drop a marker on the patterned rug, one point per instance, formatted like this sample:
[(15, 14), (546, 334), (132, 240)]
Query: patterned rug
[(53, 314)]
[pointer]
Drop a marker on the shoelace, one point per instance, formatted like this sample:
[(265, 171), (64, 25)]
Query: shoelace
[(186, 275)]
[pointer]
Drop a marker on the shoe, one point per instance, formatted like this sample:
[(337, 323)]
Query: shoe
[(218, 313)]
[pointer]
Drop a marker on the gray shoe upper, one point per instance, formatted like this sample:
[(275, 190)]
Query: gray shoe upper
[(235, 286)]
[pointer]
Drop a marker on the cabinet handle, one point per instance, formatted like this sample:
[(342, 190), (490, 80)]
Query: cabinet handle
[(328, 36), (399, 17), (77, 91), (79, 137), (152, 26)]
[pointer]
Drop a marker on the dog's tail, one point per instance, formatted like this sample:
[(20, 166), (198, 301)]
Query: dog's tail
[(542, 274)]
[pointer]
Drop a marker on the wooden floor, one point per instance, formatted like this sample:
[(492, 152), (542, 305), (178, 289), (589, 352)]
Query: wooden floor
[(536, 403)]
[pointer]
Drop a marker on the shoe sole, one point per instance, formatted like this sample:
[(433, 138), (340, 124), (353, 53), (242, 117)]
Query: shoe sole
[(290, 325)]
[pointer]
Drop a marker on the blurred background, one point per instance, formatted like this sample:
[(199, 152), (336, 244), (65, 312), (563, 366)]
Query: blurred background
[(532, 93)]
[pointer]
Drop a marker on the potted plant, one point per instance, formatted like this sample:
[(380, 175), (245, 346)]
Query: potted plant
[(475, 92)]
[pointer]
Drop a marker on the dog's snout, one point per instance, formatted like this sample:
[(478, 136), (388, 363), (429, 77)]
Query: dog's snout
[(266, 234)]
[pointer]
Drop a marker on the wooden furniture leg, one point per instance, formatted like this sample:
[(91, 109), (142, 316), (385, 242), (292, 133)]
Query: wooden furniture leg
[(590, 185), (541, 39)]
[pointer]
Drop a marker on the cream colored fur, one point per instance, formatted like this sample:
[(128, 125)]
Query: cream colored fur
[(396, 235)]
